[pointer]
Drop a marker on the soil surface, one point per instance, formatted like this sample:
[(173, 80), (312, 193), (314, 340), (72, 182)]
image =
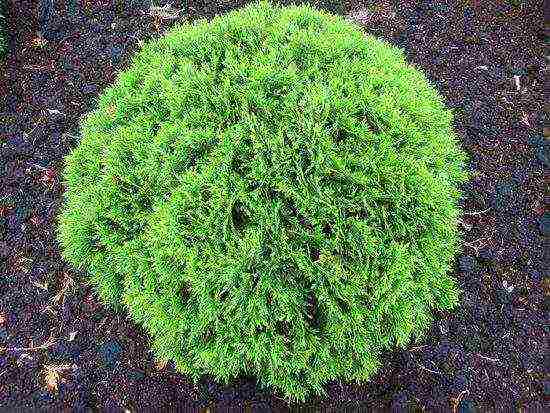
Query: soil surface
[(61, 349)]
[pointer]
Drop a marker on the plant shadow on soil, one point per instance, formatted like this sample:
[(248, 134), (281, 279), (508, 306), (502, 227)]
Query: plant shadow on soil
[(488, 63)]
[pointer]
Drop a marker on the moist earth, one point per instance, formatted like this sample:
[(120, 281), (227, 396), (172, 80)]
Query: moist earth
[(60, 348)]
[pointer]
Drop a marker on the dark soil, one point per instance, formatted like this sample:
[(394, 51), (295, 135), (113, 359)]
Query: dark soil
[(486, 355)]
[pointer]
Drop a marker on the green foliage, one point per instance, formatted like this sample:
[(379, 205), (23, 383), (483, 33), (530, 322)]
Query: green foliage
[(332, 6), (271, 193)]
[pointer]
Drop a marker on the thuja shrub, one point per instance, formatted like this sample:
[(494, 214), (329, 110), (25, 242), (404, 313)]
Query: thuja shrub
[(270, 194)]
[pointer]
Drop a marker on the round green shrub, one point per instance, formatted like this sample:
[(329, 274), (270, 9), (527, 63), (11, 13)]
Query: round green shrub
[(271, 193)]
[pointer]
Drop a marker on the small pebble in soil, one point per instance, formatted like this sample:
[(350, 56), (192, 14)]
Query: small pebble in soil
[(116, 54), (528, 361), (110, 352), (466, 406), (89, 89), (520, 176), (11, 102), (535, 141), (544, 224), (21, 146), (469, 13), (399, 402), (95, 28), (441, 352), (44, 397), (45, 11), (504, 197), (487, 255), (247, 391), (535, 276), (532, 70), (542, 154), (440, 8), (3, 226), (112, 405), (460, 382), (466, 263), (496, 73), (444, 327), (415, 17), (401, 39), (64, 351), (519, 71), (67, 65), (502, 296), (136, 375)]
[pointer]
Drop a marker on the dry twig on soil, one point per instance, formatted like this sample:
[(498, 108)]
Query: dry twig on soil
[(48, 343), (53, 375), (164, 12)]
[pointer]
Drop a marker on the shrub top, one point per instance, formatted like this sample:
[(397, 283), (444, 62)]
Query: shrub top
[(271, 193)]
